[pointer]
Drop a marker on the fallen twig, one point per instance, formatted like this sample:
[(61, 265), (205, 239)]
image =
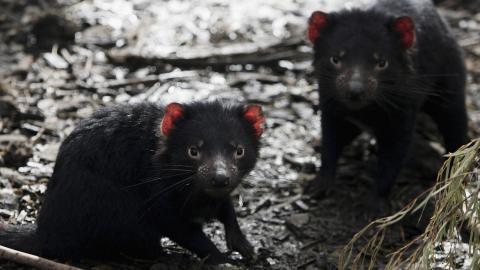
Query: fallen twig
[(471, 41), (147, 80), (262, 56), (307, 263), (32, 260)]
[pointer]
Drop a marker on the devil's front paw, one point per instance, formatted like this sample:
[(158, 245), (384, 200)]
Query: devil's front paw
[(319, 187), (238, 242)]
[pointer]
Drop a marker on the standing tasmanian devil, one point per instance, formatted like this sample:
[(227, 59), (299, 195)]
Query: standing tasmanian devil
[(131, 174), (377, 68)]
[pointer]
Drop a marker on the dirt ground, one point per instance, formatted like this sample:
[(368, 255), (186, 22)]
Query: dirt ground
[(61, 60)]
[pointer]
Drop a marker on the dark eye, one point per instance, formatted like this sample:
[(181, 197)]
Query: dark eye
[(382, 64), (193, 152), (335, 60), (239, 152)]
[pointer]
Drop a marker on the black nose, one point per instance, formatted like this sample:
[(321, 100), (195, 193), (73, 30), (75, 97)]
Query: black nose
[(220, 180), (356, 89)]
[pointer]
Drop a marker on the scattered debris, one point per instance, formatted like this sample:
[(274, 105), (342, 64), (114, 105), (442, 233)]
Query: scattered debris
[(59, 68)]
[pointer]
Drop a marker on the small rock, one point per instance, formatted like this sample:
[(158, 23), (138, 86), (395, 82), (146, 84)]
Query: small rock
[(21, 216), (85, 112), (301, 205), (47, 106), (55, 61), (97, 34), (297, 221), (49, 151), (271, 261), (8, 199), (36, 188)]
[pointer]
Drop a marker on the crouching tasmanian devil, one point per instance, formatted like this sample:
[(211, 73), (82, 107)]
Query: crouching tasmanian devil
[(131, 174), (377, 68)]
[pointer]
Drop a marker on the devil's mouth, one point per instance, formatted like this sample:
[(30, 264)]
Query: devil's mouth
[(218, 192), (355, 103)]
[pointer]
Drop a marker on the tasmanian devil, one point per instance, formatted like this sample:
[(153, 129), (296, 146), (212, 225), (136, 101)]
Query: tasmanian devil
[(376, 69), (130, 174)]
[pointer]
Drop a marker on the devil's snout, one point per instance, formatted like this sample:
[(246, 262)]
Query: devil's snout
[(356, 87), (219, 176)]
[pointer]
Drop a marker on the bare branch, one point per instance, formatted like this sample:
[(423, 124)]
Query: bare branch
[(32, 260)]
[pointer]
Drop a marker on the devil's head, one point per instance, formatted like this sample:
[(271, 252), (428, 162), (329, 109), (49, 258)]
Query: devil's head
[(218, 144), (361, 56)]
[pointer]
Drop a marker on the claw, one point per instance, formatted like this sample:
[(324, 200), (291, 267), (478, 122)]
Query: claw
[(240, 243)]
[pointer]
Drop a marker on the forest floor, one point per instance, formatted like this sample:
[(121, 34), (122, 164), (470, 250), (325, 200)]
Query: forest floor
[(61, 60)]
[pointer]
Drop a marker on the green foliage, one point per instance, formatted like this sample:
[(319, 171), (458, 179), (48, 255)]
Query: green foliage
[(456, 199)]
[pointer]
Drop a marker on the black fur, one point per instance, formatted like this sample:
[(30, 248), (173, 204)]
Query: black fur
[(119, 185), (429, 76)]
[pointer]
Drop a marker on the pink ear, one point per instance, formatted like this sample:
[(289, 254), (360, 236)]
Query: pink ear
[(317, 21), (173, 111), (406, 28), (254, 115)]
